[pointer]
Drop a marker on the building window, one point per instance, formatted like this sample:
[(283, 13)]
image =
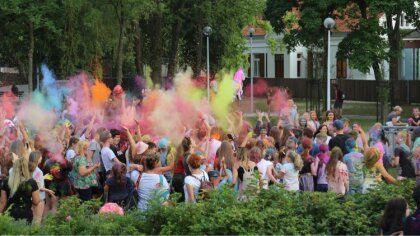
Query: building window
[(279, 65), (299, 65), (256, 67), (341, 68)]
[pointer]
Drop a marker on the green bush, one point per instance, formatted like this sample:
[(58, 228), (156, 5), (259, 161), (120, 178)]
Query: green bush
[(275, 211)]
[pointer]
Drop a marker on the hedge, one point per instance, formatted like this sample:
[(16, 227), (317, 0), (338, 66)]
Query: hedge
[(275, 211)]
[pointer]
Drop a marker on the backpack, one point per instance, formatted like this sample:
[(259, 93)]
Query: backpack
[(205, 188)]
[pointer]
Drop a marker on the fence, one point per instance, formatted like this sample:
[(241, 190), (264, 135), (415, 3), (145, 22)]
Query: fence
[(356, 90)]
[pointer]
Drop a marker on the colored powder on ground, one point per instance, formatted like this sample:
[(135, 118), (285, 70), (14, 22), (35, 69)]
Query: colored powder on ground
[(100, 93)]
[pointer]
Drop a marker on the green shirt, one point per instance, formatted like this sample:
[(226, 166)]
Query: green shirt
[(87, 181)]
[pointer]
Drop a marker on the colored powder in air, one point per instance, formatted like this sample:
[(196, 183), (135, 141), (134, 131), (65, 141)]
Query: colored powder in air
[(53, 94), (8, 104), (100, 93), (222, 101), (186, 88), (260, 88), (278, 99)]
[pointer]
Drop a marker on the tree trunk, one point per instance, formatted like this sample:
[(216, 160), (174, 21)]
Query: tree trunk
[(394, 40), (156, 48), (377, 71), (310, 64), (138, 49), (176, 30), (31, 57), (199, 48), (120, 53)]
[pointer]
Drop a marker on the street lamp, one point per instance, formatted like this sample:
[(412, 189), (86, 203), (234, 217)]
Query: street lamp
[(251, 33), (329, 24), (207, 31)]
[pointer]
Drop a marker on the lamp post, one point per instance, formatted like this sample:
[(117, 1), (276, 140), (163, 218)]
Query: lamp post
[(207, 31), (329, 24), (251, 32)]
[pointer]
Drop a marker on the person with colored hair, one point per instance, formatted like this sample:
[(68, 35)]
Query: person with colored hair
[(320, 164), (354, 162), (307, 172), (374, 170), (402, 154)]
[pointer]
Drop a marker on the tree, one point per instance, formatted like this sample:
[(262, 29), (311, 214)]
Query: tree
[(31, 17)]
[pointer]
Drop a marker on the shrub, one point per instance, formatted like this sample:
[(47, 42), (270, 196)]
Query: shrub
[(275, 211)]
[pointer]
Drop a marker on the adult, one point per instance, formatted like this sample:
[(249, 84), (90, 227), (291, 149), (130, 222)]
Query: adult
[(402, 156), (339, 99), (354, 162), (22, 190), (340, 138), (84, 171), (393, 118), (150, 184), (116, 147), (193, 182), (392, 222), (337, 173), (416, 163)]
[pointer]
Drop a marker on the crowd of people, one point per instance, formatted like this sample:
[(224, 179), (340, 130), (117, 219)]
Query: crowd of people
[(130, 168)]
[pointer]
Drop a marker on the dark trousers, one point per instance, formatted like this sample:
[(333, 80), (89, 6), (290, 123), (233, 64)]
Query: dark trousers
[(85, 194), (178, 185)]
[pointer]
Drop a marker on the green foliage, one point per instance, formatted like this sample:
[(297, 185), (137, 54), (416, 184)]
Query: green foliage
[(275, 211)]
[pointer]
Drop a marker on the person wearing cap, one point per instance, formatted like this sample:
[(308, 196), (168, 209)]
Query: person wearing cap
[(412, 223), (393, 118), (340, 138)]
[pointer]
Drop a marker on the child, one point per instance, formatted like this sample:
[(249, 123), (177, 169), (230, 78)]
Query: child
[(415, 119), (292, 164)]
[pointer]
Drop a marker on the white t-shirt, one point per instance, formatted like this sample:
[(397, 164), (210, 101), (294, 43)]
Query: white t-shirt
[(107, 155), (38, 176), (148, 187), (195, 182), (214, 146), (70, 154), (291, 176), (263, 166)]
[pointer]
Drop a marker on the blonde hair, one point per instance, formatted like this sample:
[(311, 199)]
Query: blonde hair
[(397, 108), (296, 160), (19, 175), (371, 157), (82, 145)]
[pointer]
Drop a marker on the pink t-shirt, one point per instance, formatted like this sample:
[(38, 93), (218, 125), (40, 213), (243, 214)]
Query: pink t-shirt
[(381, 150), (214, 146)]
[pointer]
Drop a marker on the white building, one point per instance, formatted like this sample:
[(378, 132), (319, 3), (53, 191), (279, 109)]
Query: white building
[(280, 64)]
